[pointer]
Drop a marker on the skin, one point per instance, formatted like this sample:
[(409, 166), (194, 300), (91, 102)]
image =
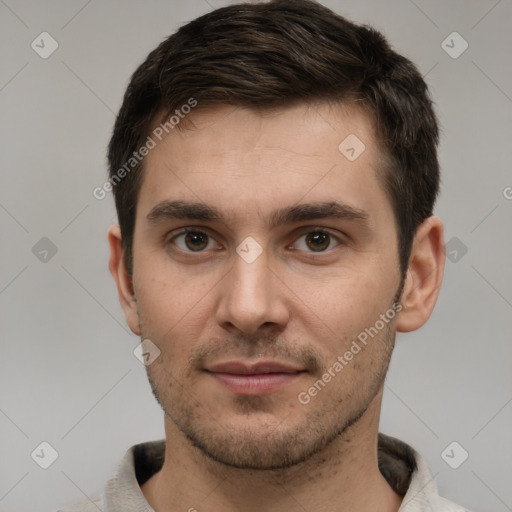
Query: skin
[(294, 303)]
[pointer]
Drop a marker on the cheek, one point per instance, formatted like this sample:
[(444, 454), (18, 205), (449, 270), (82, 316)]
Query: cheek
[(337, 309), (171, 305), (340, 297)]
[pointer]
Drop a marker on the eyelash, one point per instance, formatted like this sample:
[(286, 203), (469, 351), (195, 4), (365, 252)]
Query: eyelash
[(315, 230)]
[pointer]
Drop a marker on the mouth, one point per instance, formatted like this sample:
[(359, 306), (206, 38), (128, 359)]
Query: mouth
[(256, 379)]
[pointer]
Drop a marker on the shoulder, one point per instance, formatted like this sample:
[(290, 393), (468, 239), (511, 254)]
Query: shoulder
[(408, 473), (92, 505), (440, 504)]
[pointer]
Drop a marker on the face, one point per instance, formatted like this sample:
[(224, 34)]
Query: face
[(262, 257)]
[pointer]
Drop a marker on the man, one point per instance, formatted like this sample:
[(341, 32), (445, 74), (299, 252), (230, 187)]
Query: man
[(274, 169)]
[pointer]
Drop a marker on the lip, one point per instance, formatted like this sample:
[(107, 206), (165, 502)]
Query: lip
[(254, 379), (260, 367)]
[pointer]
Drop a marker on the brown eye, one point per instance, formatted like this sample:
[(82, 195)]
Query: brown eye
[(316, 241), (196, 241), (192, 241)]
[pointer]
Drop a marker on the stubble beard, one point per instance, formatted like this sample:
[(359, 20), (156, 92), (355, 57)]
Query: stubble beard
[(278, 445)]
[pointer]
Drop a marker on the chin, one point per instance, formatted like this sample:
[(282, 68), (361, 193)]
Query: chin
[(260, 440)]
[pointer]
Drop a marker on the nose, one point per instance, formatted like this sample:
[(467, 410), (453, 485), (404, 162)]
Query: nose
[(252, 298)]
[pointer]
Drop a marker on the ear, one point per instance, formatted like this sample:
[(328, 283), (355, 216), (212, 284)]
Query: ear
[(122, 278), (424, 276)]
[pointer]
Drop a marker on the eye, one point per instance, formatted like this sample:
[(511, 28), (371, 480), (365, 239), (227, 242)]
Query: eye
[(193, 241), (318, 240)]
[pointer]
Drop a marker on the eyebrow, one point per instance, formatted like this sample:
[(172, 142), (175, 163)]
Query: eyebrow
[(169, 210)]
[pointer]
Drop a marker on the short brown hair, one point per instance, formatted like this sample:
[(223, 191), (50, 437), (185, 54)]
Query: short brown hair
[(275, 54)]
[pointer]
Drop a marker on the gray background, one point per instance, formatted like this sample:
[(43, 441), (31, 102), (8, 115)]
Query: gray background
[(68, 375)]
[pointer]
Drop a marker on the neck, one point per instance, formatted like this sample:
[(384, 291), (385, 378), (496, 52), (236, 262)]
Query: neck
[(345, 475)]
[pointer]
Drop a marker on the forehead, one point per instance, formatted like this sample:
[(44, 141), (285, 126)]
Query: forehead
[(234, 157)]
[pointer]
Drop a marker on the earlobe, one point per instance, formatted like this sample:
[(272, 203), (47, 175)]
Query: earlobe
[(424, 276), (122, 279)]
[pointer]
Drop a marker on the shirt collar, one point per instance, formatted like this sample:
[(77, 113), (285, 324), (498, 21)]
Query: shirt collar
[(403, 468)]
